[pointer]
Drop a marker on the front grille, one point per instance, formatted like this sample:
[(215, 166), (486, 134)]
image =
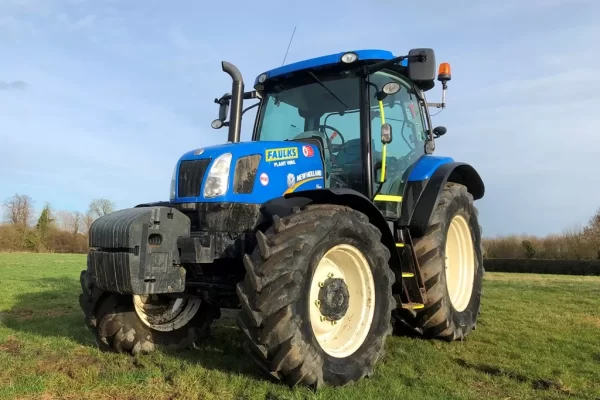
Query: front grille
[(191, 174), (245, 174)]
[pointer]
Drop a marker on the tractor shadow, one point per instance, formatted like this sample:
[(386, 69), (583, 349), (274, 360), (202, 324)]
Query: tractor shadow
[(223, 349), (51, 309)]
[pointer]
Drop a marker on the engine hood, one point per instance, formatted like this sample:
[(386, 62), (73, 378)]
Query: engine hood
[(259, 171)]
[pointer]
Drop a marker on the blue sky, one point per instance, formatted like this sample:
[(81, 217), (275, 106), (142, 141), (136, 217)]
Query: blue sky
[(100, 98)]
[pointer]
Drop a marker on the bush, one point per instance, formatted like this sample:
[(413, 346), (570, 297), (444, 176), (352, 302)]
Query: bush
[(57, 231), (573, 244), (529, 249), (15, 238)]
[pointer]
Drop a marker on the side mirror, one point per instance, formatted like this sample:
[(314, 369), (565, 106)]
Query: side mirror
[(223, 103), (439, 131), (422, 73), (386, 133), (223, 110)]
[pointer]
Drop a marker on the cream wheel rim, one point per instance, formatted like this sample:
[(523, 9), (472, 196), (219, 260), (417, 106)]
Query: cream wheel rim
[(460, 263), (165, 313), (342, 335)]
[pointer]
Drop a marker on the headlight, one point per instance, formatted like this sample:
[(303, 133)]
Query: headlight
[(217, 181), (172, 195)]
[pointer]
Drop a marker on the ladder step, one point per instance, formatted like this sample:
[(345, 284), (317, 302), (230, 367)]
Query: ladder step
[(413, 306), (408, 275), (387, 197)]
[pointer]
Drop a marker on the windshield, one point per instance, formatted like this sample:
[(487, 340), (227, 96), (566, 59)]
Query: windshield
[(326, 108), (303, 109)]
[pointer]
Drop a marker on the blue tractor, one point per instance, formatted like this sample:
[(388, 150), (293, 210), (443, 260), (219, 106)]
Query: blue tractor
[(331, 229)]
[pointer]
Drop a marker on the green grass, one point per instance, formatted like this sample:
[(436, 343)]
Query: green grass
[(538, 338)]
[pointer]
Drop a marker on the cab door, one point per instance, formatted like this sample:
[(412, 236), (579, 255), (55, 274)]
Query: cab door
[(403, 112)]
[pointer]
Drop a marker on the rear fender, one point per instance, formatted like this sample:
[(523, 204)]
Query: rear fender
[(283, 206), (421, 196)]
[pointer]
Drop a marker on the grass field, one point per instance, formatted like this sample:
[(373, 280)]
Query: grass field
[(538, 338)]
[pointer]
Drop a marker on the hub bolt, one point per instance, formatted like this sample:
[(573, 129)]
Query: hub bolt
[(318, 303), (321, 284), (330, 275)]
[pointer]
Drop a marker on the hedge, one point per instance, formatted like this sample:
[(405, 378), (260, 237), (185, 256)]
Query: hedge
[(560, 267)]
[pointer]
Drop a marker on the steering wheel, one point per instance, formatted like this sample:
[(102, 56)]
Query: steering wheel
[(336, 131)]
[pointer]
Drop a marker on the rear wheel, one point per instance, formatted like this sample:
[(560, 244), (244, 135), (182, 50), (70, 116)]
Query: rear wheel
[(450, 258), (140, 324), (317, 298)]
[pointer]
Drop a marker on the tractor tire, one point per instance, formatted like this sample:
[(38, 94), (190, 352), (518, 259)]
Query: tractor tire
[(117, 325), (323, 263), (451, 261)]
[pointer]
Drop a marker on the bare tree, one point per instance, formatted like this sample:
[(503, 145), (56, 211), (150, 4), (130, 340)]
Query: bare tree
[(101, 207), (592, 232), (76, 224), (70, 221), (19, 210), (88, 219)]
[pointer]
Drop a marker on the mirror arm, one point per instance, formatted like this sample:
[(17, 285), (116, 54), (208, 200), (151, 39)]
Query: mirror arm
[(247, 96), (436, 105), (250, 95), (369, 69), (250, 107)]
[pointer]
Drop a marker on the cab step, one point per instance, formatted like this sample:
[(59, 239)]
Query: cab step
[(413, 295), (413, 306)]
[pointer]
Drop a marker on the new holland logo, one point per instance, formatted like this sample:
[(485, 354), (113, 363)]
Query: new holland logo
[(286, 153), (309, 174), (291, 180)]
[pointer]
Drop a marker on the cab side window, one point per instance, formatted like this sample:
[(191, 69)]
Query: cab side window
[(403, 112)]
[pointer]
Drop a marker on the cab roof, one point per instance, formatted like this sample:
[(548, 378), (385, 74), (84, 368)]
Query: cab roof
[(372, 55)]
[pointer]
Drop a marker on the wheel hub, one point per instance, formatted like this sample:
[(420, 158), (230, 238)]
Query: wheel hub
[(334, 299), (165, 313), (342, 299)]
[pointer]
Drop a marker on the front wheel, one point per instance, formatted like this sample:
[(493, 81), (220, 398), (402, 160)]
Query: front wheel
[(317, 297), (451, 261), (140, 324)]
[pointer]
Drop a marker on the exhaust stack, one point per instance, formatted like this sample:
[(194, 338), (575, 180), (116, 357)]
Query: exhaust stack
[(237, 99)]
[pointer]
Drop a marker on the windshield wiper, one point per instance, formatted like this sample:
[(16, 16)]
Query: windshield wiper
[(326, 88)]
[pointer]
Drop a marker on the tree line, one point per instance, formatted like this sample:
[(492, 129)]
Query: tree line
[(59, 231), (64, 231), (578, 243)]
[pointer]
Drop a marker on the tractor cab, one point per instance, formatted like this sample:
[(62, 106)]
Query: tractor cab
[(362, 110)]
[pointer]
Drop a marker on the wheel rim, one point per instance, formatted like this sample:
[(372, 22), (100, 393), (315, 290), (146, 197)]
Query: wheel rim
[(342, 300), (165, 313), (460, 263)]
